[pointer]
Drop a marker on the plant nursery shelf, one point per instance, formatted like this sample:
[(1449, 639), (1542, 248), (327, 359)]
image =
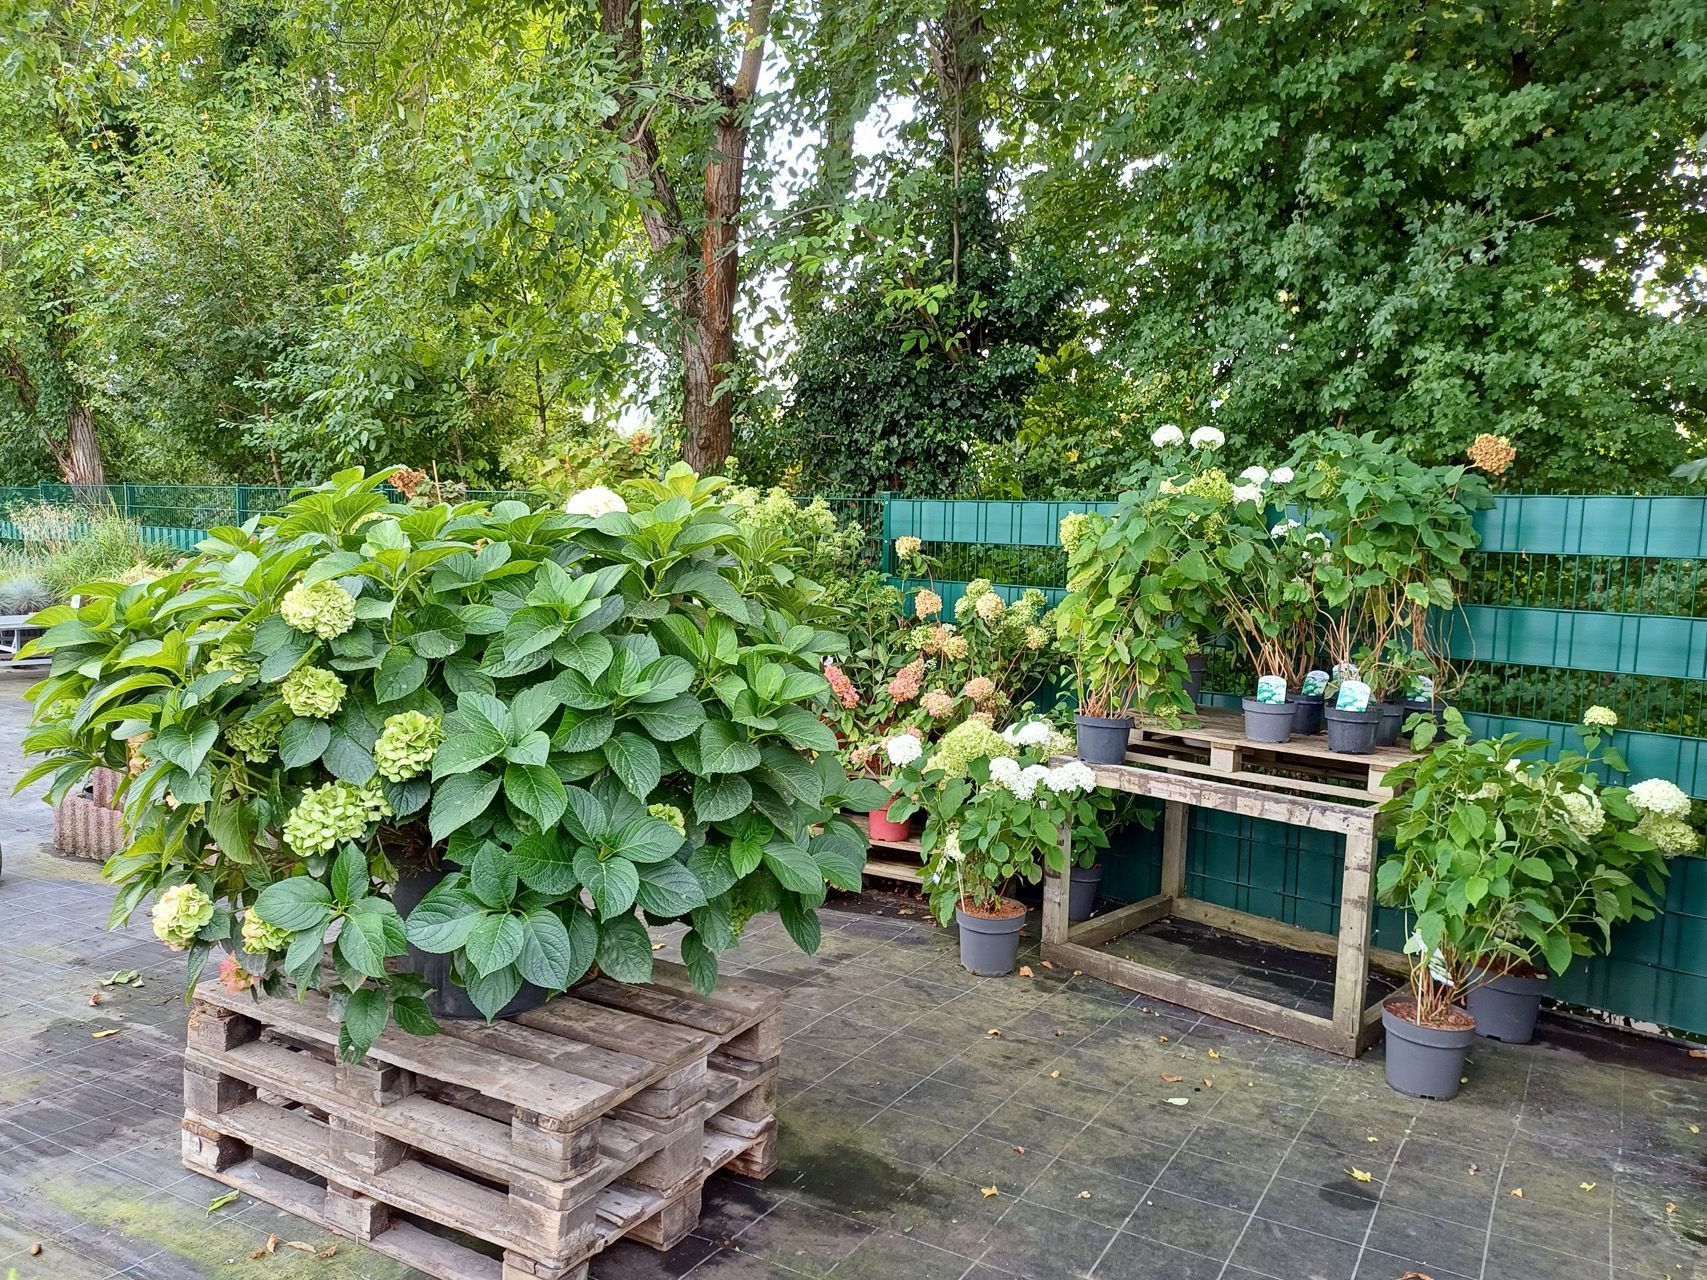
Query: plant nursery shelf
[(544, 1137), (1276, 799), (909, 872), (1217, 748)]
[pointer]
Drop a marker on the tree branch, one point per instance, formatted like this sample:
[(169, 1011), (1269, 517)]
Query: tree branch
[(660, 211)]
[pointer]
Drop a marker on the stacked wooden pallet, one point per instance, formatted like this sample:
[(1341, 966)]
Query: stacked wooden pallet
[(511, 1151)]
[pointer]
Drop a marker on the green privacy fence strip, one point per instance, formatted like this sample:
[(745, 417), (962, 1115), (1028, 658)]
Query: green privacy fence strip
[(1625, 643), (1645, 528), (1019, 524)]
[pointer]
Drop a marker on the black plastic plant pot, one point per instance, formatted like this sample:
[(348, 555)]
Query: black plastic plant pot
[(1103, 739), (1268, 721), (448, 999), (1435, 709), (1082, 886), (989, 946), (1306, 712), (1351, 733), (1392, 719), (1195, 665), (1505, 1008), (1424, 1062)]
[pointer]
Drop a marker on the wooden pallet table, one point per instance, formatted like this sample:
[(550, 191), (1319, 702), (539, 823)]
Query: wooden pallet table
[(544, 1137), (908, 869), (1214, 766)]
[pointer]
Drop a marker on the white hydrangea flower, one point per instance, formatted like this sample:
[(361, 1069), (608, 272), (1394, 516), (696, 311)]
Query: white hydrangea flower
[(1074, 775), (903, 749), (1167, 435), (1033, 733), (1207, 438), (596, 501), (1282, 475), (1283, 528), (1004, 773), (1247, 493), (1583, 812), (1256, 475), (1660, 797), (951, 847), (1598, 717), (1025, 786)]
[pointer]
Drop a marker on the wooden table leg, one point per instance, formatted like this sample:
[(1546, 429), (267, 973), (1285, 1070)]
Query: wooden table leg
[(1055, 891), (1176, 819), (1351, 970)]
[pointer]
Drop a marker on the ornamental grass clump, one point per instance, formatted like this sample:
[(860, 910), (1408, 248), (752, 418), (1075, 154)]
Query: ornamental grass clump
[(558, 726)]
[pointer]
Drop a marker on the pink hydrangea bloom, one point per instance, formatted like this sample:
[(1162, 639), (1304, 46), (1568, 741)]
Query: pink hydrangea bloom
[(235, 977), (981, 689), (841, 686), (938, 703), (905, 686)]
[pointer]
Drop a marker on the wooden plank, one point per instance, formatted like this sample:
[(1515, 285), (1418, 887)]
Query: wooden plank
[(753, 1000), (534, 1086), (1219, 727), (1217, 1002), (1351, 968), (883, 869), (625, 1072), (1176, 822), (1135, 915), (655, 1003), (1372, 791), (1056, 886), (664, 1043), (863, 821), (1278, 932), (1298, 811)]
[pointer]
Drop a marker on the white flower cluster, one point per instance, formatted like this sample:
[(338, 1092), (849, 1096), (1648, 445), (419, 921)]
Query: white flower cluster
[(1583, 812), (1023, 782), (1167, 436), (903, 749), (1255, 478), (595, 502), (1207, 438), (1598, 717), (1661, 798), (1033, 733)]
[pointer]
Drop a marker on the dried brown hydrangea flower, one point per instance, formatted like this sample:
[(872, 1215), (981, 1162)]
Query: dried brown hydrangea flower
[(1492, 454)]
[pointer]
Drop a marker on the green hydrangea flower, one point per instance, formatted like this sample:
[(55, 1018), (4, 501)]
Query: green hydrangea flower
[(374, 804), (313, 692), (966, 742), (232, 655), (327, 816), (256, 739), (1671, 836), (179, 914), (670, 814), (406, 745), (324, 609), (259, 937), (1072, 529)]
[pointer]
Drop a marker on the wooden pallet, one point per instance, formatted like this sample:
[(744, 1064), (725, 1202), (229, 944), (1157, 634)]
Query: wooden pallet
[(1216, 747), (541, 1138), (908, 871)]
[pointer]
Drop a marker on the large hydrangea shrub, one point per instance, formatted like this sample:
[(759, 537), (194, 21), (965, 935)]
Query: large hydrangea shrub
[(575, 724)]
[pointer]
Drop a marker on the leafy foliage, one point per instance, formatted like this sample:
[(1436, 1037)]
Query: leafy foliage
[(627, 709)]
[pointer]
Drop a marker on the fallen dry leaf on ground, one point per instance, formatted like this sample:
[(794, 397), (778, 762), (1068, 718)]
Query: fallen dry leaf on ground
[(1048, 964), (1084, 1195), (1054, 1075), (271, 1245), (1215, 1055), (989, 1191), (1208, 1083), (1161, 1039), (1079, 973), (95, 997), (657, 946), (35, 1249), (1474, 1168), (1173, 1079), (1698, 1053), (1587, 1186), (994, 1031), (1025, 971), (1018, 1151), (1359, 1175), (1059, 1031), (102, 1035), (1518, 1192), (1179, 1102), (1670, 1207), (1372, 1138), (1695, 1128)]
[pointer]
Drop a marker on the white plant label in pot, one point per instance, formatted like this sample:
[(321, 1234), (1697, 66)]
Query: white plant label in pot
[(1315, 682), (1271, 689), (1354, 696)]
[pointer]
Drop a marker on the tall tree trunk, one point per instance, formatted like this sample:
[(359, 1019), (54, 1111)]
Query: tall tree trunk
[(82, 464), (703, 291)]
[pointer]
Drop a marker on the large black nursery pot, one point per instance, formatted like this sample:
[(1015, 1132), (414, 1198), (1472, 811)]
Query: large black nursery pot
[(1267, 721), (989, 945), (448, 999), (1103, 739), (1425, 1062), (1505, 1008), (1082, 886), (1392, 719), (1195, 665), (1306, 712), (1351, 733)]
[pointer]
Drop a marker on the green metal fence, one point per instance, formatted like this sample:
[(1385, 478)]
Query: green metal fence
[(1571, 600)]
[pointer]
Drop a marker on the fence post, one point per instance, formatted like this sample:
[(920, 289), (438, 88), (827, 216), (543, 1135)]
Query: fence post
[(129, 499), (242, 499), (888, 556)]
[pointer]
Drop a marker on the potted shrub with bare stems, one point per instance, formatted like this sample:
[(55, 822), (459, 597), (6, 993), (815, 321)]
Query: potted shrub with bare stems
[(1509, 867)]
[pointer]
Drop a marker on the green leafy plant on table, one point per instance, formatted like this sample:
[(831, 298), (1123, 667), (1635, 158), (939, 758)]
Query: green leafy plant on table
[(1505, 861), (574, 722)]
